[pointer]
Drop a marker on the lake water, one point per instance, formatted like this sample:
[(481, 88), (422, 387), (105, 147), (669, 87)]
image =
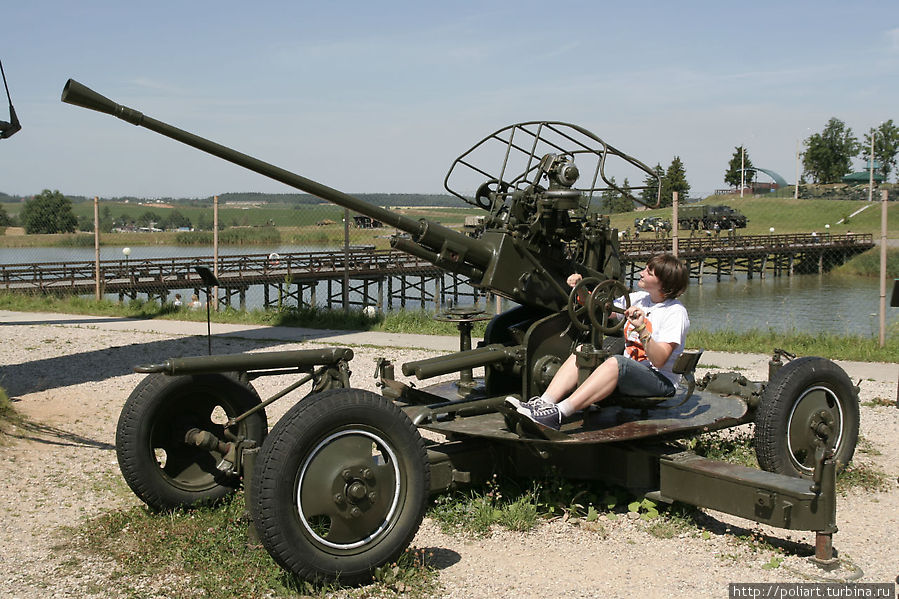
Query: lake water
[(841, 305)]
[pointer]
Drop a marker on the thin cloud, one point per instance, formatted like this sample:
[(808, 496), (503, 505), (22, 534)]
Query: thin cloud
[(893, 40)]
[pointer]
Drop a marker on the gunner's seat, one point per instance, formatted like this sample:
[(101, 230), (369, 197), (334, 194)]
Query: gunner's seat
[(685, 365)]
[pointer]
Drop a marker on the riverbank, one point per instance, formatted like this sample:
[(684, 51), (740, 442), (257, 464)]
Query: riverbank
[(828, 344)]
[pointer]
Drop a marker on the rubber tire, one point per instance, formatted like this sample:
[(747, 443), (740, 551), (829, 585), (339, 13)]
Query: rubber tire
[(159, 410), (775, 411), (301, 436)]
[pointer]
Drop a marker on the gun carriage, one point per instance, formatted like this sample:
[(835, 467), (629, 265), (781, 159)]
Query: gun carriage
[(339, 485)]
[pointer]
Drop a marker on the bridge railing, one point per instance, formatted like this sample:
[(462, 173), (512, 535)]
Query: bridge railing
[(157, 276), (232, 269), (740, 243)]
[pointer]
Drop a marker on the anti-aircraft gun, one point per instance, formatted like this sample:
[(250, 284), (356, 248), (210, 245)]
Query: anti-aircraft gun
[(340, 483), (539, 229)]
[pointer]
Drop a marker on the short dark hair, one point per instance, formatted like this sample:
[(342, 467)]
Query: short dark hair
[(672, 274)]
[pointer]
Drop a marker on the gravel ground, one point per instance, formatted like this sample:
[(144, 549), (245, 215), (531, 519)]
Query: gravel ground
[(59, 469)]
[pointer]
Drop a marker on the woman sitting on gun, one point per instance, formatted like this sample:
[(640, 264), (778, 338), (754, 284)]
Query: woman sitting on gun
[(654, 332)]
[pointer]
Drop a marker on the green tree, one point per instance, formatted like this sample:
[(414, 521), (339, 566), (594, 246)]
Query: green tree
[(5, 221), (106, 221), (607, 198), (86, 223), (204, 223), (675, 179), (650, 193), (175, 220), (124, 221), (622, 202), (148, 219), (886, 146), (828, 155), (739, 160), (49, 212)]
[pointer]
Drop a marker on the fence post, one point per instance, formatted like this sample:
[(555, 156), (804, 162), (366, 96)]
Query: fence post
[(97, 293), (215, 249), (674, 223), (883, 267), (345, 292)]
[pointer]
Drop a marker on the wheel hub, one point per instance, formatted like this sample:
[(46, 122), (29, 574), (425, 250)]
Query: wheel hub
[(362, 474), (815, 419)]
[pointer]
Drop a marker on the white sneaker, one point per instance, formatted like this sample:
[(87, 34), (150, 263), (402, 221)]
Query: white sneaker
[(527, 407)]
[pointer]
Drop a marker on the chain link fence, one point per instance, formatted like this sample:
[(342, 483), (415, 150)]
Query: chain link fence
[(266, 252), (293, 250)]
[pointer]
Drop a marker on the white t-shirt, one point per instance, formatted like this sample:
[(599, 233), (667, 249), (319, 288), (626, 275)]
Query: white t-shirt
[(666, 321)]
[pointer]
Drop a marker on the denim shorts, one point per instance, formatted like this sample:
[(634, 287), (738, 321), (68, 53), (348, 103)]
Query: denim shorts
[(638, 379)]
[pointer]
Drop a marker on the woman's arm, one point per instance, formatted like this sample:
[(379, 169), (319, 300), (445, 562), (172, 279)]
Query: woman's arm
[(658, 352)]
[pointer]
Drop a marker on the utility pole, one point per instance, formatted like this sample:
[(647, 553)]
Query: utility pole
[(796, 189), (871, 168), (742, 168)]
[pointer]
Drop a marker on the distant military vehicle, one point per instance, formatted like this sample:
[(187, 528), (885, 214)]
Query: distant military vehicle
[(651, 223), (701, 216), (474, 225)]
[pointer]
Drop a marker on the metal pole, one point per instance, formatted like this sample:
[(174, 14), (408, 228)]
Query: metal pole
[(871, 169), (674, 226), (97, 293), (883, 267), (215, 252), (796, 189), (345, 295), (742, 169)]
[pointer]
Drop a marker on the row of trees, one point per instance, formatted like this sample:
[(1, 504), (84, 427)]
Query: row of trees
[(674, 178), (51, 212), (828, 155)]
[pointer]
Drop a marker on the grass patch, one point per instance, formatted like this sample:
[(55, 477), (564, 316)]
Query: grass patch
[(8, 414), (835, 347), (521, 505), (235, 236), (826, 345), (867, 264), (205, 552), (501, 502), (677, 520), (733, 447), (879, 402), (867, 476)]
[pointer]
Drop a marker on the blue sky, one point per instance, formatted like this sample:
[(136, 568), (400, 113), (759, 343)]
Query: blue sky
[(381, 97)]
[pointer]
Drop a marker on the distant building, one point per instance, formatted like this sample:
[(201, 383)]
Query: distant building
[(756, 187), (865, 175)]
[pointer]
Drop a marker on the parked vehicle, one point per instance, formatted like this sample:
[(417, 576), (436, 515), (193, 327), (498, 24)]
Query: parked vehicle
[(701, 216)]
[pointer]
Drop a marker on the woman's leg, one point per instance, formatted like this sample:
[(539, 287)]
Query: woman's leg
[(564, 381), (598, 386)]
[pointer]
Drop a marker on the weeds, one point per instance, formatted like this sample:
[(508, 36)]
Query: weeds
[(879, 402), (867, 476), (675, 521), (206, 552), (508, 504), (733, 446), (8, 414)]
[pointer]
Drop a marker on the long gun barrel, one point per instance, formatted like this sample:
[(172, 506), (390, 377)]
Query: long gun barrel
[(540, 229), (455, 247)]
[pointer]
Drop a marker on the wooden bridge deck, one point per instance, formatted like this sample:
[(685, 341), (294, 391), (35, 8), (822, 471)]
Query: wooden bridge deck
[(724, 255)]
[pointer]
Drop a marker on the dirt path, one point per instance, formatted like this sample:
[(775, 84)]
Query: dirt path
[(70, 381)]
